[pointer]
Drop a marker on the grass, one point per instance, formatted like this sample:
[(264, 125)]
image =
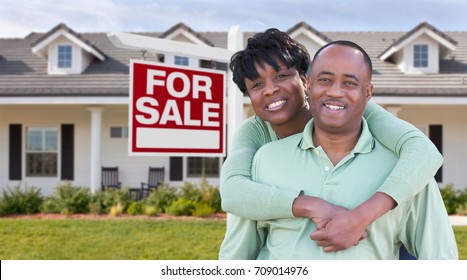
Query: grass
[(122, 239), (115, 239)]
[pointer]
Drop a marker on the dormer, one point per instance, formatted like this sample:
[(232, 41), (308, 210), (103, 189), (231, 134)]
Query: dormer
[(66, 51), (420, 50), (308, 36), (181, 32)]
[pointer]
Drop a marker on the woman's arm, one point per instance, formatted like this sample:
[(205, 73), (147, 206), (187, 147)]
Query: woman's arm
[(417, 154), (242, 196)]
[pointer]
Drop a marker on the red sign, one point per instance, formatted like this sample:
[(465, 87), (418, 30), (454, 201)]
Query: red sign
[(176, 110)]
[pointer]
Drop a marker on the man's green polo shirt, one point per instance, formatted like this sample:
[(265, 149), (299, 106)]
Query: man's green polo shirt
[(295, 163)]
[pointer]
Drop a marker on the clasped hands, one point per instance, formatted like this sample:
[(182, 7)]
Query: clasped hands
[(337, 228)]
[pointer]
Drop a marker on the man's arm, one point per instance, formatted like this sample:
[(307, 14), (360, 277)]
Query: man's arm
[(417, 154)]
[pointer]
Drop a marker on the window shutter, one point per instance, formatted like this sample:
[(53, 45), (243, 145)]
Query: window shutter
[(436, 136), (67, 152), (176, 169), (15, 153)]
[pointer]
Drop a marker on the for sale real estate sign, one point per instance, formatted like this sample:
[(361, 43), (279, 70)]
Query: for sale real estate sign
[(176, 110)]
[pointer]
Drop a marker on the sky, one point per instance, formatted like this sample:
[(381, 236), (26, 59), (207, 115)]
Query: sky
[(18, 18)]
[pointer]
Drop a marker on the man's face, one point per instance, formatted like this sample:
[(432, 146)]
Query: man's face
[(277, 96), (340, 89)]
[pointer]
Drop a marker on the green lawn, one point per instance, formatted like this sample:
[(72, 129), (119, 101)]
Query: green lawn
[(122, 239)]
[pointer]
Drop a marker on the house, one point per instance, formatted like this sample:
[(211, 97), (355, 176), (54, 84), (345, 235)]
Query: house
[(64, 100)]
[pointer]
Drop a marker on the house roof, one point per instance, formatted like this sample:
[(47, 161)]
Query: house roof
[(423, 28), (305, 26), (182, 26), (62, 30), (23, 74)]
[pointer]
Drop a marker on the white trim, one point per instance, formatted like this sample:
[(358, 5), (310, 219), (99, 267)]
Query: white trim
[(315, 38), (187, 35), (38, 49), (452, 100), (414, 36), (156, 45), (73, 100)]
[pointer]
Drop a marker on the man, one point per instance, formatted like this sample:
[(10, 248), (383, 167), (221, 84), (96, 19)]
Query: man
[(338, 159)]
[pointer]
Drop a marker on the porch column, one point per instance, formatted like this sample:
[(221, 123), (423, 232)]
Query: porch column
[(394, 110), (234, 95), (95, 156)]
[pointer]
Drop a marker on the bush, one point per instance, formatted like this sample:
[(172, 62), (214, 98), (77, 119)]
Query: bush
[(454, 200), (68, 199), (102, 201), (204, 193), (114, 197), (191, 192), (96, 205), (116, 210), (18, 201), (211, 196), (162, 198), (202, 209), (135, 208), (181, 207), (150, 210)]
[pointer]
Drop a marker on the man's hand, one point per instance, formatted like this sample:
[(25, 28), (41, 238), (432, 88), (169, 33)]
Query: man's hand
[(339, 232), (337, 227)]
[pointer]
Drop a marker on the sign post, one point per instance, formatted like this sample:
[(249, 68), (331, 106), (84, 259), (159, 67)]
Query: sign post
[(176, 110)]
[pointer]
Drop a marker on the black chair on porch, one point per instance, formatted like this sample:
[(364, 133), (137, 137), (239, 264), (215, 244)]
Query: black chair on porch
[(155, 179), (110, 178)]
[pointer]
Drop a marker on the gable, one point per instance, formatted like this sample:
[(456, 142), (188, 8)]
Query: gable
[(79, 52), (401, 52), (308, 36)]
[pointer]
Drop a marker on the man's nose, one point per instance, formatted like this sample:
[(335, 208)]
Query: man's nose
[(336, 90)]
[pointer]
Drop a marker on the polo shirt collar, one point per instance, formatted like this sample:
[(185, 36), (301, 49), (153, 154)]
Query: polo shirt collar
[(365, 144)]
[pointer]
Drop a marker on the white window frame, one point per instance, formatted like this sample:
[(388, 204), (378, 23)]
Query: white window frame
[(68, 60), (44, 148), (425, 58)]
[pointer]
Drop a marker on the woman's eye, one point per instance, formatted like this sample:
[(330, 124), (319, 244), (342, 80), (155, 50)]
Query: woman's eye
[(255, 85), (281, 76)]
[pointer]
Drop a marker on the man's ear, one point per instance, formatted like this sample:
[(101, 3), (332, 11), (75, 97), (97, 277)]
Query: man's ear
[(369, 92), (309, 81)]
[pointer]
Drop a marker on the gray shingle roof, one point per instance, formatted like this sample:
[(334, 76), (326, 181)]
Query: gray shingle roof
[(24, 74)]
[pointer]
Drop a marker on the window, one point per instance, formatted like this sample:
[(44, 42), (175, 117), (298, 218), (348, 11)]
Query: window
[(64, 56), (119, 132), (199, 166), (420, 55), (41, 152), (181, 60)]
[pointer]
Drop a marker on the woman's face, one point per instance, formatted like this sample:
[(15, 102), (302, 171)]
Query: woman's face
[(277, 97)]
